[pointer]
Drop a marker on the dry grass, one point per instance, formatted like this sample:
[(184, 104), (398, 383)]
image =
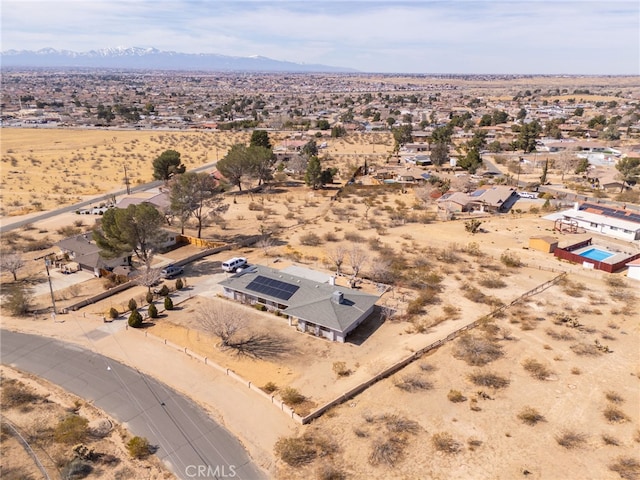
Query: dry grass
[(565, 336), (444, 442), (488, 379), (613, 397), (627, 467), (297, 451), (456, 396), (412, 382), (477, 351), (615, 415), (387, 451), (530, 416), (583, 349), (570, 439), (610, 440), (536, 369), (17, 394)]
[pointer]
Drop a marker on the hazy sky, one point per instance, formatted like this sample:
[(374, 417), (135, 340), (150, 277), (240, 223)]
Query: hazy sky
[(421, 36)]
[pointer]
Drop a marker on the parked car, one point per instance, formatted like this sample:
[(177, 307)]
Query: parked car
[(233, 264), (171, 271)]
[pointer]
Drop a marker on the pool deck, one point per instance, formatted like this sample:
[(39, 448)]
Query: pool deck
[(613, 259)]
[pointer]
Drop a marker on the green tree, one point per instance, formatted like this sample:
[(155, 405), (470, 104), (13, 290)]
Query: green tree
[(471, 161), (376, 117), (152, 310), (167, 164), (439, 153), (338, 131), (528, 135), (262, 161), (326, 177), (522, 114), (323, 124), (628, 170), (236, 165), (545, 169), (260, 138), (168, 303), (402, 134), (578, 112), (390, 121), (313, 175), (310, 149), (137, 229), (582, 166), (135, 319), (610, 133), (442, 134), (196, 195)]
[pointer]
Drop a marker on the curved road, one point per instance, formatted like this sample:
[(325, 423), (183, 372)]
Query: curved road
[(189, 442)]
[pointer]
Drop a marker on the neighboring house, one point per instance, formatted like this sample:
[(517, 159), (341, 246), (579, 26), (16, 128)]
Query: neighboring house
[(160, 200), (634, 269), (84, 251), (614, 222), (322, 309), (495, 199)]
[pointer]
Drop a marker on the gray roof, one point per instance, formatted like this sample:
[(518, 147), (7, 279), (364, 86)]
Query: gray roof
[(312, 301)]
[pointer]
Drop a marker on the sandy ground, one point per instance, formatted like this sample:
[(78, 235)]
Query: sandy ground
[(391, 226)]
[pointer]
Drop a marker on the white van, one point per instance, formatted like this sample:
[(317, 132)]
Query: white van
[(233, 264)]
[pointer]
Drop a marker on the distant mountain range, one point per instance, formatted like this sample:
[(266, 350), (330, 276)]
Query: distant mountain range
[(154, 59)]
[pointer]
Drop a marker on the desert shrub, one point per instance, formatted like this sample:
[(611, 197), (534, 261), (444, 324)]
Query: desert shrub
[(413, 382), (399, 424), (297, 451), (76, 469), (18, 301), (570, 439), (444, 442), (354, 237), (511, 260), (179, 284), (488, 379), (113, 313), (627, 467), (473, 249), (576, 371), (585, 350), (153, 311), (340, 369), (132, 305), (260, 306), (559, 335), (148, 297), (71, 429), (530, 416), (168, 303), (474, 294), (427, 367), (135, 319), (331, 237), (291, 396), (477, 351), (387, 450), (615, 281), (609, 440), (164, 291), (492, 281), (138, 447), (613, 397), (270, 387), (456, 396), (17, 394), (615, 415), (536, 369), (330, 472), (310, 240)]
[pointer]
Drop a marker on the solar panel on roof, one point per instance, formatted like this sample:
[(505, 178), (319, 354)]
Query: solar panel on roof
[(272, 287)]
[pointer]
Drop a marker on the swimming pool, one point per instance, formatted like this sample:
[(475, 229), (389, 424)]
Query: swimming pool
[(596, 254)]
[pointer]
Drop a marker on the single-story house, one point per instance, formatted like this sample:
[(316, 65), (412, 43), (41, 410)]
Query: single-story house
[(496, 198), (321, 308), (84, 251), (634, 269), (615, 222), (160, 200)]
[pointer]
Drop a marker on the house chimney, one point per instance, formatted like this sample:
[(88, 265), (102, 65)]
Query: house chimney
[(576, 206), (337, 297), (332, 280)]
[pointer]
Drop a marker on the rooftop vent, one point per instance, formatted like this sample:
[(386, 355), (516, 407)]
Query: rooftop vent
[(337, 297)]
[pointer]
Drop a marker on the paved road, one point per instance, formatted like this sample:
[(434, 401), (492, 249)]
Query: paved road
[(189, 442), (96, 200)]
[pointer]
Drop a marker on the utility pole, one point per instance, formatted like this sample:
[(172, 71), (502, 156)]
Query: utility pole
[(126, 180), (53, 300)]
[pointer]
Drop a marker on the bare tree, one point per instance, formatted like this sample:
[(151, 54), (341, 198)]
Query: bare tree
[(357, 258), (220, 321), (11, 262), (266, 243), (150, 276), (336, 256)]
